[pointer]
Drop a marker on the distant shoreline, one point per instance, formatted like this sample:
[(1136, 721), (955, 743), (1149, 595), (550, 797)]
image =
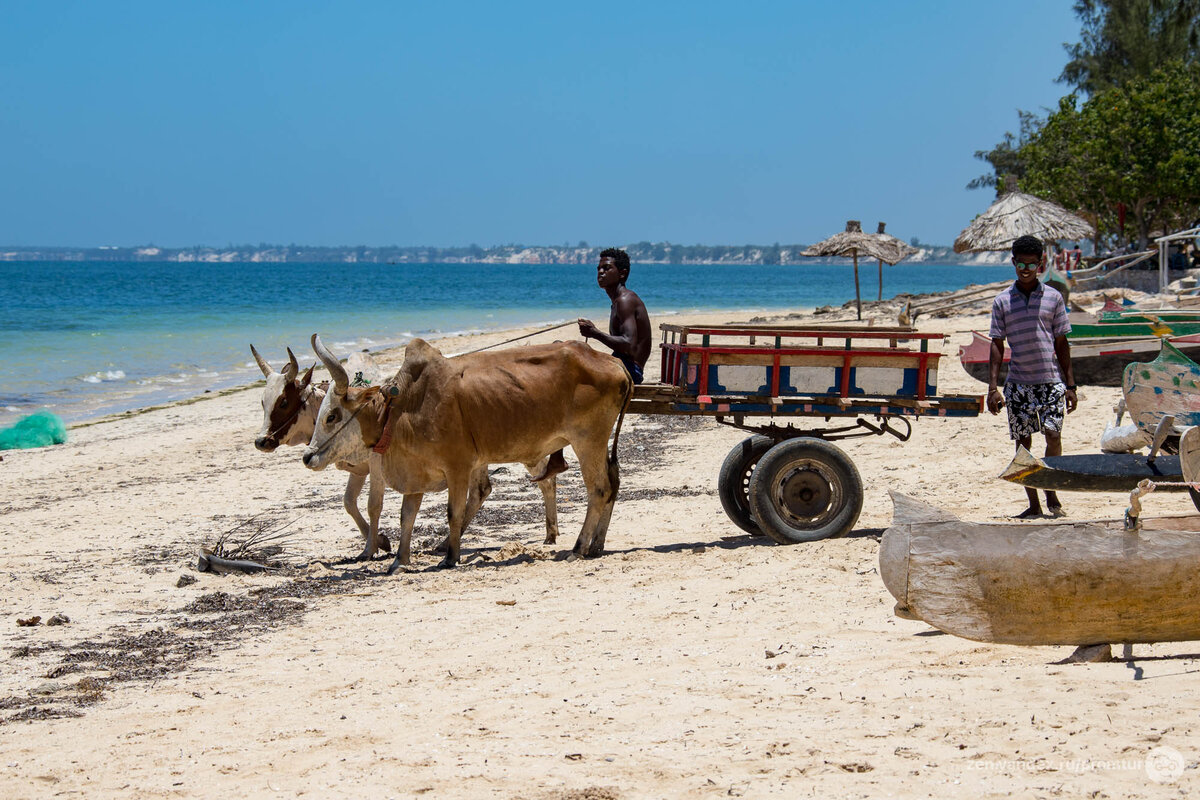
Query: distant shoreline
[(641, 253)]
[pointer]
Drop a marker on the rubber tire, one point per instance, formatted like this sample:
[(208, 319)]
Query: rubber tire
[(734, 479), (824, 467)]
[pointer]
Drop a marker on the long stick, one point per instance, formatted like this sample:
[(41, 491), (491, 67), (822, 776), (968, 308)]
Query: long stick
[(516, 338), (857, 293)]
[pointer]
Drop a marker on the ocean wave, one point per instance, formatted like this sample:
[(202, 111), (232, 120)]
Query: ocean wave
[(106, 375)]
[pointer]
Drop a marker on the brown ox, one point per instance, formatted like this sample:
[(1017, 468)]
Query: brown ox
[(451, 417), (290, 403)]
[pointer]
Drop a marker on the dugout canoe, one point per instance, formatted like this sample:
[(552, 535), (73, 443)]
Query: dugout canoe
[(1086, 472), (1170, 384), (1053, 583), (1098, 362), (1142, 329)]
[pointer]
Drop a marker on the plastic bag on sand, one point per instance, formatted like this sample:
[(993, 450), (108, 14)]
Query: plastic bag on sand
[(1123, 439), (36, 430)]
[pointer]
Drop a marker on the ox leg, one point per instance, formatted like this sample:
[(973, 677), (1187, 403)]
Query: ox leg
[(408, 517), (614, 481), (549, 487), (481, 487), (354, 487), (597, 477), (374, 509), (456, 504)]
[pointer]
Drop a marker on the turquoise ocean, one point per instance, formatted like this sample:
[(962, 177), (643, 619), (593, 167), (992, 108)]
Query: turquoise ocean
[(84, 339)]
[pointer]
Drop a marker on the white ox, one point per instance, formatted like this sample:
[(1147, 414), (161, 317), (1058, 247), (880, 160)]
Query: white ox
[(449, 418), (290, 402)]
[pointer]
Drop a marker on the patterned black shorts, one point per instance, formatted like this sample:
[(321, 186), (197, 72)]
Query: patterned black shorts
[(1034, 408)]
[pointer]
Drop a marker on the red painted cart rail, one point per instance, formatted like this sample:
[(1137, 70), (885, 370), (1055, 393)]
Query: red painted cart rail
[(785, 365)]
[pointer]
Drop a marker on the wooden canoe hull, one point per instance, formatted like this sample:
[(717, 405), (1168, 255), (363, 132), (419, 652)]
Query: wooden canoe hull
[(1095, 363), (1102, 472), (1170, 384), (1055, 583)]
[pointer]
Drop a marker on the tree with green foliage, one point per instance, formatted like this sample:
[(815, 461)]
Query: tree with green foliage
[(1120, 40), (1005, 158), (1136, 145), (1126, 39)]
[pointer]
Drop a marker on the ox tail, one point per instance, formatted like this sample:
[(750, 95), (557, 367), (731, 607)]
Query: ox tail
[(621, 418)]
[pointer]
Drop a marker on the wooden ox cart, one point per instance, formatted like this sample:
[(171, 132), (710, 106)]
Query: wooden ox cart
[(789, 482)]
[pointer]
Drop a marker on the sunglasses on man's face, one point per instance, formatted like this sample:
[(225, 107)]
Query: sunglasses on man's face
[(1027, 264)]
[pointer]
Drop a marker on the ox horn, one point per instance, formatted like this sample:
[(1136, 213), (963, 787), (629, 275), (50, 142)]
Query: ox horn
[(262, 363), (336, 371), (293, 368)]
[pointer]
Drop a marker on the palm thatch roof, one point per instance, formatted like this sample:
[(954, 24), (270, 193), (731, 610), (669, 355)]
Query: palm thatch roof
[(903, 249), (1018, 214), (853, 242)]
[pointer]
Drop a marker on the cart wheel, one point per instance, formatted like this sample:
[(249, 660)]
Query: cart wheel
[(734, 480), (803, 490)]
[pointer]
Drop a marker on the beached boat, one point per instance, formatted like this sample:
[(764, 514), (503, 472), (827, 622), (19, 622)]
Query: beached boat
[(1053, 583), (1109, 316), (1087, 472), (1095, 363), (1168, 385), (1131, 329)]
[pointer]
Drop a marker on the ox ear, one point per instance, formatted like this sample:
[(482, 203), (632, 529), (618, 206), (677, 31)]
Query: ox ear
[(262, 363), (307, 379)]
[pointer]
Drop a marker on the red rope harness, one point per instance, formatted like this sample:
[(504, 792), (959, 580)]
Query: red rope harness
[(385, 439)]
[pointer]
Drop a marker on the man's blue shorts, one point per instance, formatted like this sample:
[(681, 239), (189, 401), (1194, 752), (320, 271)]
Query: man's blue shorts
[(631, 366)]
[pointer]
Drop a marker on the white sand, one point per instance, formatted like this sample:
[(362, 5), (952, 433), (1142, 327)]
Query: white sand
[(644, 673)]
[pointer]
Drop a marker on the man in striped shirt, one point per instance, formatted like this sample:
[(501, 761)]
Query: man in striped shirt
[(1033, 318)]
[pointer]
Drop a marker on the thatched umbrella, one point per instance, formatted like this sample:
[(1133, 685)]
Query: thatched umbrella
[(902, 251), (853, 242), (1018, 214)]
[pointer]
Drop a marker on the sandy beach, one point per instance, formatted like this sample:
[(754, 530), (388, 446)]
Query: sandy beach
[(690, 660)]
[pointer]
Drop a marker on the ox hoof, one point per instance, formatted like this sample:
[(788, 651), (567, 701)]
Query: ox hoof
[(385, 544), (447, 563), (567, 555)]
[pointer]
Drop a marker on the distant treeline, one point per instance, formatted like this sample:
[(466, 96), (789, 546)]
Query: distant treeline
[(581, 253)]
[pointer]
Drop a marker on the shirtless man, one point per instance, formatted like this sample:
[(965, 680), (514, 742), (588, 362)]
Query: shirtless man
[(628, 323), (628, 329)]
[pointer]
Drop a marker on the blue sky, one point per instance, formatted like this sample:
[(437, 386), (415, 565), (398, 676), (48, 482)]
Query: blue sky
[(450, 123)]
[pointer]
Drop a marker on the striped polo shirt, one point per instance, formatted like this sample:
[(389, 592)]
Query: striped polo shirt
[(1030, 325)]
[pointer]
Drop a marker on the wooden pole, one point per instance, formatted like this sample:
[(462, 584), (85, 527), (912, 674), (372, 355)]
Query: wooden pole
[(857, 293), (880, 296)]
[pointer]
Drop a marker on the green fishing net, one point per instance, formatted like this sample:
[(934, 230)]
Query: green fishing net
[(36, 430)]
